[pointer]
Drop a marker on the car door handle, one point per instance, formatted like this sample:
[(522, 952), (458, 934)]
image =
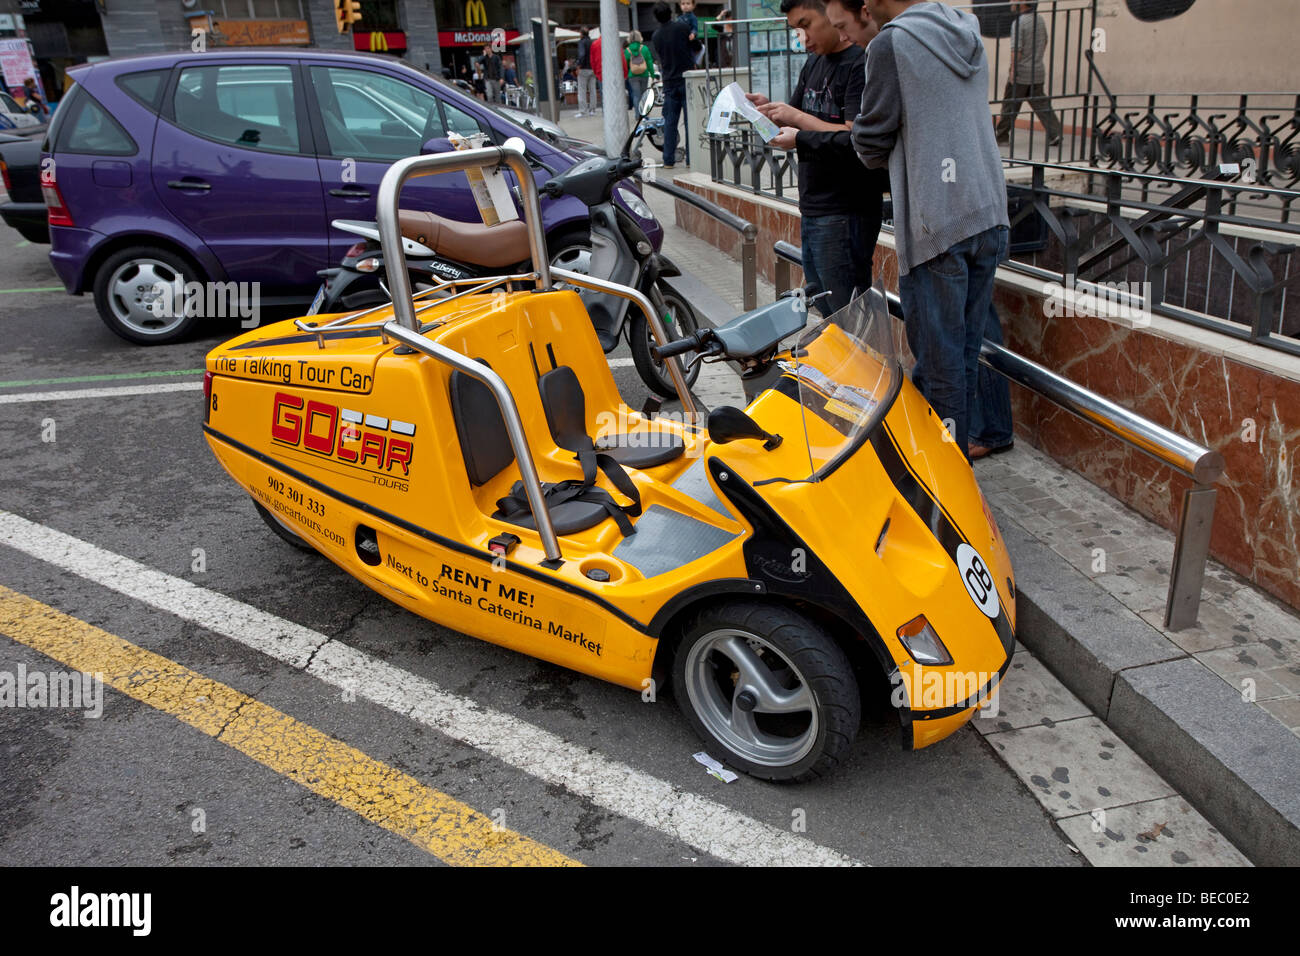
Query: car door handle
[(188, 184), (353, 193)]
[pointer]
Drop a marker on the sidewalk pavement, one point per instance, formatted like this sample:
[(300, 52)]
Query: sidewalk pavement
[(1214, 710)]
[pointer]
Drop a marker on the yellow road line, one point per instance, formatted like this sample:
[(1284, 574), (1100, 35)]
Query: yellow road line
[(450, 830)]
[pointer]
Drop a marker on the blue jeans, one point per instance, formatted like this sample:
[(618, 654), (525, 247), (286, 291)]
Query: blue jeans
[(674, 107), (636, 89), (837, 256), (946, 303), (990, 417)]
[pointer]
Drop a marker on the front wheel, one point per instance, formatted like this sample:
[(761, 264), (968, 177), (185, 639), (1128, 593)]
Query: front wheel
[(679, 321), (768, 690)]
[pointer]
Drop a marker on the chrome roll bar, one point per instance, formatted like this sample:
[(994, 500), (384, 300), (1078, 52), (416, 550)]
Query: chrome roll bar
[(509, 413), (656, 326), (390, 233)]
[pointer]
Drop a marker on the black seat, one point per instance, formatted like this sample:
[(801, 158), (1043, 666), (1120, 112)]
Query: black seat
[(485, 447), (566, 415)]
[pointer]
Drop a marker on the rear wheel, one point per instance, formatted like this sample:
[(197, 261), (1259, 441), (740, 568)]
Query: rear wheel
[(282, 530), (571, 249), (768, 690), (140, 295), (679, 322)]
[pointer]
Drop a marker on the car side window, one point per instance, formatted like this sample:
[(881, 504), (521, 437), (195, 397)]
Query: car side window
[(458, 121), (373, 116), (247, 106), (144, 87), (9, 103), (87, 127)]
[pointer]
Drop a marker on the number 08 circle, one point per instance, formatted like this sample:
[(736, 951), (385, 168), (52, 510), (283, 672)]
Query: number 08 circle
[(978, 580)]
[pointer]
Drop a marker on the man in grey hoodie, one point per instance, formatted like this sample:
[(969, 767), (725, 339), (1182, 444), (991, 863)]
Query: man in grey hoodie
[(925, 115)]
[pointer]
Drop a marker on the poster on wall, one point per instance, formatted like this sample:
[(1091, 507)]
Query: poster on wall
[(16, 65)]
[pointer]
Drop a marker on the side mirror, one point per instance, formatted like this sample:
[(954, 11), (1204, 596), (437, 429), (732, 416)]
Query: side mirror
[(647, 103), (728, 424), (439, 144)]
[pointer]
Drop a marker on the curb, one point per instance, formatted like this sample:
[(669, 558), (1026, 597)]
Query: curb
[(1235, 764)]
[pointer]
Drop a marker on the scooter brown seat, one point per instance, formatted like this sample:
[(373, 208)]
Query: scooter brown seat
[(492, 247)]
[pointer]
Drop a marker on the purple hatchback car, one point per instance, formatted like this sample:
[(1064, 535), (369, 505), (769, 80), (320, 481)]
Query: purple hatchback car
[(228, 167)]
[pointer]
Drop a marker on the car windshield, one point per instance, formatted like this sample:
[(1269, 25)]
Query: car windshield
[(847, 373)]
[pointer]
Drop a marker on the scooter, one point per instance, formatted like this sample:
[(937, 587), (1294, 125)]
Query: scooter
[(440, 249), (469, 458)]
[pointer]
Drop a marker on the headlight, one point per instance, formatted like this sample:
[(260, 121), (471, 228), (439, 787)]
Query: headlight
[(923, 643), (635, 203)]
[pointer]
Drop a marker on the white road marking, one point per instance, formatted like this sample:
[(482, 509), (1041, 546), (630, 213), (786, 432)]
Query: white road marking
[(697, 821), (621, 363), (82, 393)]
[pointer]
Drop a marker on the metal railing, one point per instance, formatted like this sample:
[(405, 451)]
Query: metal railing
[(1163, 229), (747, 230), (1204, 466)]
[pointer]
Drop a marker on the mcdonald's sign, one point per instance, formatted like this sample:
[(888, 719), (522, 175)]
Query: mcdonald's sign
[(378, 42), (475, 13)]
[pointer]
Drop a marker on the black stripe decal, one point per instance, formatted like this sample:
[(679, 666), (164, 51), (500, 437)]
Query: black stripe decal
[(309, 337), (433, 536), (923, 501)]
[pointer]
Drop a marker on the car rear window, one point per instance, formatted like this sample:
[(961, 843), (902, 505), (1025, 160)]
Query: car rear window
[(145, 88), (86, 127)]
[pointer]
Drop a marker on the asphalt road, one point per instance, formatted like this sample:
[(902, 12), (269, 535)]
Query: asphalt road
[(131, 476)]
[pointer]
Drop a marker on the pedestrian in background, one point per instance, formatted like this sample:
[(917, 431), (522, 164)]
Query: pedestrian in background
[(35, 102), (924, 115), (598, 67), (586, 76), (1027, 74), (640, 66), (673, 53), (839, 217), (492, 74)]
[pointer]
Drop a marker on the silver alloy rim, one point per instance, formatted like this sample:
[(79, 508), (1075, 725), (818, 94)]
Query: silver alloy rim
[(132, 292), (574, 258), (759, 678), (675, 330)]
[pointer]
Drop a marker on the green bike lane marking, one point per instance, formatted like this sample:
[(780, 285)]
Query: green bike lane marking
[(100, 378), (42, 288)]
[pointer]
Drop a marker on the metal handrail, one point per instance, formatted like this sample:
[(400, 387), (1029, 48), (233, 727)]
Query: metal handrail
[(1203, 465), (748, 233)]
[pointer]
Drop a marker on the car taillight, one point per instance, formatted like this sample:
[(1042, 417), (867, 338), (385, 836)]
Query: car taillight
[(4, 174), (207, 395), (59, 214)]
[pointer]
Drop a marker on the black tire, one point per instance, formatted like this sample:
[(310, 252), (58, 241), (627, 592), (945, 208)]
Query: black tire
[(282, 531), (123, 287), (803, 661), (641, 339)]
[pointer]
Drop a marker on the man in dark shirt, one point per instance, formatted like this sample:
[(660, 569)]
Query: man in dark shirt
[(492, 74), (839, 208), (672, 45)]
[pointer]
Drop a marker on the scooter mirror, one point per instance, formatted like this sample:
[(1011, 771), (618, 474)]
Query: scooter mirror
[(647, 103), (514, 143), (439, 144)]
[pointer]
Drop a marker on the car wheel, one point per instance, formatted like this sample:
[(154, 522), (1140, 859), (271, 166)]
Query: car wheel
[(139, 293), (282, 530), (768, 690)]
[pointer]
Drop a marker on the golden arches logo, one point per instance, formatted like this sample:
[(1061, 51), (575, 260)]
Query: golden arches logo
[(475, 13), (378, 42)]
